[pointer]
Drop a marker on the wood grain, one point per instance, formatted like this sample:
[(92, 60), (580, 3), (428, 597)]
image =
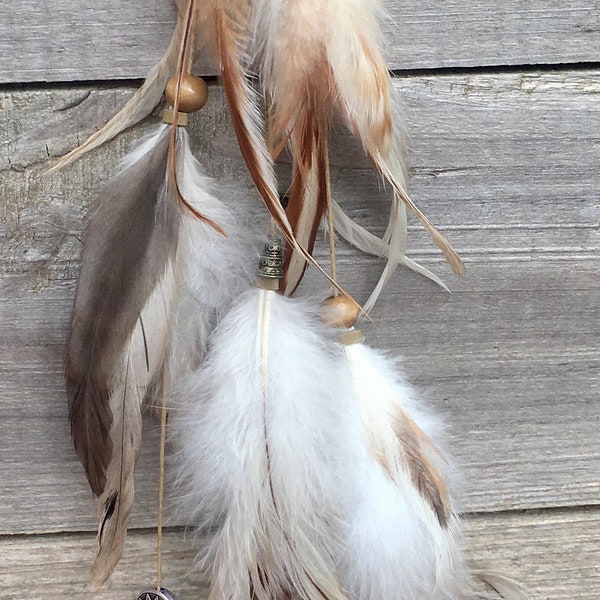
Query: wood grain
[(554, 555), (115, 40), (506, 165)]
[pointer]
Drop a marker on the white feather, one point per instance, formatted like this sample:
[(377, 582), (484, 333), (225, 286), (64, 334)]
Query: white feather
[(213, 269), (261, 438), (394, 545)]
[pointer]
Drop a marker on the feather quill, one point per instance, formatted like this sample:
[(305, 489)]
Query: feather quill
[(253, 431)]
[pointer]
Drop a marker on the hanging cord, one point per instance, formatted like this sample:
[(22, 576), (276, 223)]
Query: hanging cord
[(161, 481), (331, 230)]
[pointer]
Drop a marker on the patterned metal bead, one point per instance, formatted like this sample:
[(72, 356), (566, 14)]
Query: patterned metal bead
[(162, 594), (271, 260)]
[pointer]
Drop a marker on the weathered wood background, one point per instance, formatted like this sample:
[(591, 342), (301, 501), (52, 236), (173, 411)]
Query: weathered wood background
[(502, 104)]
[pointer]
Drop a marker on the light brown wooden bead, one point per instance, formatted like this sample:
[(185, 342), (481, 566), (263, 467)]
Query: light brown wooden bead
[(193, 94), (339, 312)]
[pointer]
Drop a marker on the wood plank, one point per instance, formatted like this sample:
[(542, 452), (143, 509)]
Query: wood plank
[(85, 40), (553, 554), (507, 165)]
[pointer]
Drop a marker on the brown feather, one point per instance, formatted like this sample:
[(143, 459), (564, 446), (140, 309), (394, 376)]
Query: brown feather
[(231, 30), (308, 195), (227, 23), (423, 472), (118, 336)]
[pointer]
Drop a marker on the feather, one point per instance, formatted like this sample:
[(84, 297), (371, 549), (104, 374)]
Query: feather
[(118, 332), (213, 269), (255, 447), (506, 586), (226, 24), (308, 196), (139, 106), (367, 242), (142, 265), (401, 535), (322, 57)]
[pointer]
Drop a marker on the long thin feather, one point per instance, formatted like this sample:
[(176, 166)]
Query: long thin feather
[(228, 23), (147, 269), (255, 434), (228, 19), (118, 332), (139, 106), (308, 195), (368, 242)]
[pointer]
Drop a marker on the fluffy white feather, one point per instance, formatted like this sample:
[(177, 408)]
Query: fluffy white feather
[(400, 542), (213, 269), (262, 437)]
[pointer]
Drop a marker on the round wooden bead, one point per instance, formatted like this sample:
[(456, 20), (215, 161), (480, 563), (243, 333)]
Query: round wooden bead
[(193, 93), (340, 312)]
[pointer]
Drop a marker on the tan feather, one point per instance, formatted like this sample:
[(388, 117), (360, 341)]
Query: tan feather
[(139, 106), (308, 195), (226, 24), (425, 476), (325, 55)]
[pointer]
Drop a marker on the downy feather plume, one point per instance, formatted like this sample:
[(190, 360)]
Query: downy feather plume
[(400, 535), (259, 434), (136, 271), (320, 59)]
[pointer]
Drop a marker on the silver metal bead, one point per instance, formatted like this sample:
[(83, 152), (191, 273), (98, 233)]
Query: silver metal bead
[(162, 594), (271, 260)]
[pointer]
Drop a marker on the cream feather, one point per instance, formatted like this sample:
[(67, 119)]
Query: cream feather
[(260, 453), (139, 106), (320, 59), (401, 535)]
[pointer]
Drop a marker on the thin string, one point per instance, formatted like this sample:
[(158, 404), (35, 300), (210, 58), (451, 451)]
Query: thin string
[(330, 224), (161, 481)]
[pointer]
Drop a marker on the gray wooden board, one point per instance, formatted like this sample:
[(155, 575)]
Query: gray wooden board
[(81, 40), (505, 164), (553, 554)]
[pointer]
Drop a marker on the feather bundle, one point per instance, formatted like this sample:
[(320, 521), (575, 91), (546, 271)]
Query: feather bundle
[(258, 460), (136, 276), (321, 59), (318, 60)]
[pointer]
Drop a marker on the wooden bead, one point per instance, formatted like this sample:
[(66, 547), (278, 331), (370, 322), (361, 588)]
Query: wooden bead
[(340, 312), (192, 96)]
